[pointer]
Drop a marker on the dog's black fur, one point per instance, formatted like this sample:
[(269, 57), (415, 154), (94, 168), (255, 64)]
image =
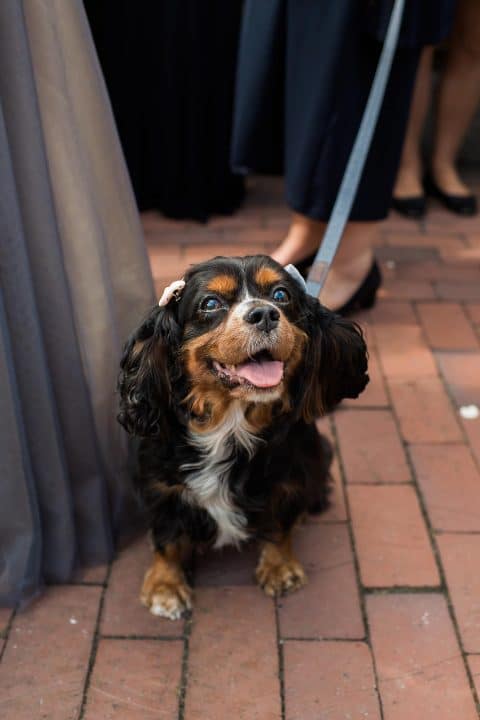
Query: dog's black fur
[(162, 398)]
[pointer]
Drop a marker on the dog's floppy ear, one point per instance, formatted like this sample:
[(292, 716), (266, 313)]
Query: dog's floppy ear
[(146, 369), (336, 361)]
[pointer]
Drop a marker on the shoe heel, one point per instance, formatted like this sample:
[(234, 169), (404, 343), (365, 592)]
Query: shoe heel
[(369, 291), (368, 300)]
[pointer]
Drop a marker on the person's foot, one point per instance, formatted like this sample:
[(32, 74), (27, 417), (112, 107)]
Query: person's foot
[(408, 196), (408, 184), (447, 179), (345, 279), (445, 184)]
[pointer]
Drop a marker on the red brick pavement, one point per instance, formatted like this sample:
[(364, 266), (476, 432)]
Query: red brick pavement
[(389, 623)]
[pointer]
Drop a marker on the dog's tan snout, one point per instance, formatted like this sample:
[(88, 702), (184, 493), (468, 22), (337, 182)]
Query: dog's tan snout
[(263, 317)]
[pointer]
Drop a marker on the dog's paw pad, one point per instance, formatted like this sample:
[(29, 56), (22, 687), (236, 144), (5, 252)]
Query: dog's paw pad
[(169, 601), (279, 579)]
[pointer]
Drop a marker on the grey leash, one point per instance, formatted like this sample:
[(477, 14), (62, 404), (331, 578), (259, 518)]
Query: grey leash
[(348, 188)]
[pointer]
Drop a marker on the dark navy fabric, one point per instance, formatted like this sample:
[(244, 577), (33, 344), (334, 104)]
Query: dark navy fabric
[(425, 22), (305, 69)]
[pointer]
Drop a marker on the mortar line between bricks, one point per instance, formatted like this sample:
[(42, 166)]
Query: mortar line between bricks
[(473, 326), (324, 639), (281, 660), (182, 690), (457, 532), (187, 632), (380, 483), (403, 590), (433, 538), (361, 595), (94, 646), (156, 638), (6, 634)]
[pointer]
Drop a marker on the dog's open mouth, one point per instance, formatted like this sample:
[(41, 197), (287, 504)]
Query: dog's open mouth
[(259, 371)]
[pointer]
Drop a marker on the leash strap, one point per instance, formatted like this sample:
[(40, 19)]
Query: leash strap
[(356, 162)]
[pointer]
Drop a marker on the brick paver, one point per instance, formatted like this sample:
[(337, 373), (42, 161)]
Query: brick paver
[(389, 531), (404, 354), (447, 327), (329, 680), (409, 463), (328, 607), (460, 558), (371, 447), (420, 668), (233, 667), (45, 663), (132, 680), (424, 411), (474, 665), (462, 372), (450, 484)]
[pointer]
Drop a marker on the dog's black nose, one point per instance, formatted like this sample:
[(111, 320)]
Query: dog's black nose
[(264, 317)]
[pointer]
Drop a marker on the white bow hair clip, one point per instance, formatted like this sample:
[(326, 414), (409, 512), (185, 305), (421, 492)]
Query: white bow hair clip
[(173, 290)]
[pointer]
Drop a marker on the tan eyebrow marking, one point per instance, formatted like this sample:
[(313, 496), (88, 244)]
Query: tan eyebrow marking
[(267, 276), (223, 284)]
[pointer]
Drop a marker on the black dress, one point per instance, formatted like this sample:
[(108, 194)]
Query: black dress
[(169, 66), (305, 70)]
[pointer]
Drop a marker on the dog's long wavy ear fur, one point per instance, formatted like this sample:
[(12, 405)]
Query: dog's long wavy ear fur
[(336, 361), (146, 369)]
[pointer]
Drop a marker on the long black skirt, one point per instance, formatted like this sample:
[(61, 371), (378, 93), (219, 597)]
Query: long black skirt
[(169, 66), (304, 74)]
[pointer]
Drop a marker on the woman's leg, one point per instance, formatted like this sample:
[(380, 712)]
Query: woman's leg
[(458, 98), (409, 176), (351, 265), (352, 262), (303, 238)]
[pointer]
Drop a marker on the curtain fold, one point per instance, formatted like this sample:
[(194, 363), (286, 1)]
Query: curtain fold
[(75, 280)]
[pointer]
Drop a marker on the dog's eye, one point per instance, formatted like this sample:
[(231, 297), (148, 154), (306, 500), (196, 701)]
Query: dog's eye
[(280, 295), (209, 304)]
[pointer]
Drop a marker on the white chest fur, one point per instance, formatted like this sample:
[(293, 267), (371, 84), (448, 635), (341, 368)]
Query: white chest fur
[(207, 480)]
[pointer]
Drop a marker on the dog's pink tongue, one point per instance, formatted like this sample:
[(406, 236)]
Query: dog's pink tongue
[(266, 373)]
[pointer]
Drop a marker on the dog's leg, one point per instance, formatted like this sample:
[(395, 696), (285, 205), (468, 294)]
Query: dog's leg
[(165, 590), (278, 571)]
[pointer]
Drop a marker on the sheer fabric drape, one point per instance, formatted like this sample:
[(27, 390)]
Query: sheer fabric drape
[(74, 281)]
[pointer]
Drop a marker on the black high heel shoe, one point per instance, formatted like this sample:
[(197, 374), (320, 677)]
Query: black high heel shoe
[(413, 207), (364, 297), (465, 205)]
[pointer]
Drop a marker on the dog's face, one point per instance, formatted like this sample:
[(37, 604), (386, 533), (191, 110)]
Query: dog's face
[(242, 336), (241, 329)]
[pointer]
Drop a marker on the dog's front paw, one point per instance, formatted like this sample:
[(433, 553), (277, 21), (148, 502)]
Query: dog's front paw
[(279, 578), (166, 599)]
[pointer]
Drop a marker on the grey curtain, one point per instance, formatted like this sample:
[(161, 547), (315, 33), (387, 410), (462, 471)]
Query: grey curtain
[(74, 280)]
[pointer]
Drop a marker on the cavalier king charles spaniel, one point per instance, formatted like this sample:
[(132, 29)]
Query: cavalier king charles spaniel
[(222, 384)]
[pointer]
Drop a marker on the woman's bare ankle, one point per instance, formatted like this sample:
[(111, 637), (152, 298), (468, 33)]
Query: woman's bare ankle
[(446, 176), (408, 183), (303, 239)]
